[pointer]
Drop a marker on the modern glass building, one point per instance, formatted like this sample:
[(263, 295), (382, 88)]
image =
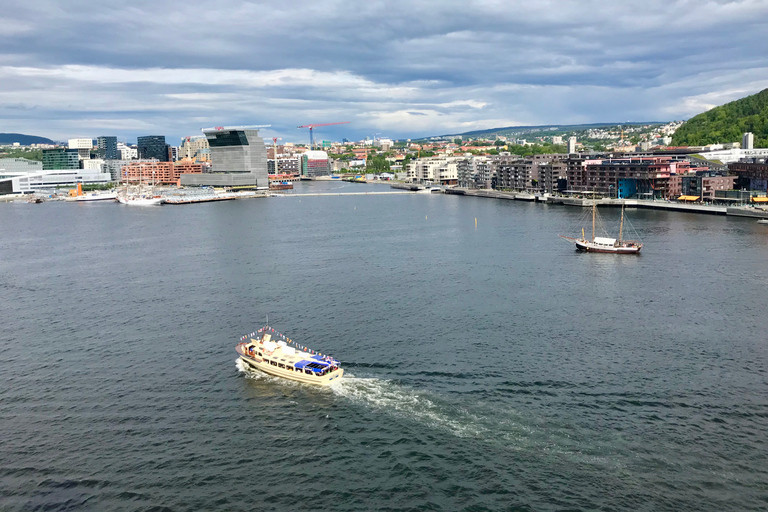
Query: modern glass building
[(238, 159), (60, 158), (153, 146), (107, 148)]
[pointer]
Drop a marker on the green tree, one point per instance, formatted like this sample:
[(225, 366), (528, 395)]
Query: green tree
[(377, 164)]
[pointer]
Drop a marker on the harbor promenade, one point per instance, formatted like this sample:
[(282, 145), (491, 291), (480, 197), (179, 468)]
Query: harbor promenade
[(739, 211)]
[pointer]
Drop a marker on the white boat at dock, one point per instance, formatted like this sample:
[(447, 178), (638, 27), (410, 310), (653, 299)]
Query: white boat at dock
[(137, 200), (97, 196), (268, 351)]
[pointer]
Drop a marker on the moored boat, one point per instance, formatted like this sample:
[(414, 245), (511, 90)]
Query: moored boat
[(141, 200), (268, 351), (96, 196)]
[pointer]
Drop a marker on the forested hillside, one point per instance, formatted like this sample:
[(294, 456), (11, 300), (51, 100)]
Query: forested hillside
[(727, 123)]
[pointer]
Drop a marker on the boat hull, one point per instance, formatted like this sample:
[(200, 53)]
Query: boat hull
[(259, 364), (141, 201), (621, 249), (96, 197)]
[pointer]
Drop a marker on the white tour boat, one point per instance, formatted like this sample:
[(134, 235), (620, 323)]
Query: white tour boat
[(268, 351), (96, 196)]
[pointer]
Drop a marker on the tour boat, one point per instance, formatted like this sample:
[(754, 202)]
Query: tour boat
[(96, 196), (270, 352), (605, 244)]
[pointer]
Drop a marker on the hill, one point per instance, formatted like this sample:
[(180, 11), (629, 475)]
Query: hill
[(24, 140), (727, 123), (539, 130)]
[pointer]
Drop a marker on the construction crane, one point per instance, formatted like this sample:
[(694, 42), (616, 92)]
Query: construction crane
[(313, 126), (274, 146)]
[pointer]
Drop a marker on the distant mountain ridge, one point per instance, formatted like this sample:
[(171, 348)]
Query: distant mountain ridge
[(24, 140), (727, 123), (558, 128)]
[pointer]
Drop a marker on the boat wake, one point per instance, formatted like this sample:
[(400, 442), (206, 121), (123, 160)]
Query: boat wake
[(503, 427), (422, 407)]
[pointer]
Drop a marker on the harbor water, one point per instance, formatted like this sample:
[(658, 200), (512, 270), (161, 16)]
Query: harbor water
[(489, 366)]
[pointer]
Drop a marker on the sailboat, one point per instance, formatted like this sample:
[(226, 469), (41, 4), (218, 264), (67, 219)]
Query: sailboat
[(139, 199), (605, 244)]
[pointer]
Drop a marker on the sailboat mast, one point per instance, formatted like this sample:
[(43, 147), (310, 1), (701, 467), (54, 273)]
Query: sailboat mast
[(621, 224), (594, 210)]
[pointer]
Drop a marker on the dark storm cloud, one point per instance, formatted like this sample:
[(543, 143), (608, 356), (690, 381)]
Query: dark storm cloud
[(404, 68)]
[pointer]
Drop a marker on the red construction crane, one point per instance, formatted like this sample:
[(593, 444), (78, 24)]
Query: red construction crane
[(313, 126)]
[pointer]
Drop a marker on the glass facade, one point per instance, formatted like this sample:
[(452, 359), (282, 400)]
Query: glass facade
[(223, 139), (107, 148), (153, 146), (60, 158)]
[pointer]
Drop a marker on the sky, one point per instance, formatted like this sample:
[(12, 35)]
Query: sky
[(398, 69)]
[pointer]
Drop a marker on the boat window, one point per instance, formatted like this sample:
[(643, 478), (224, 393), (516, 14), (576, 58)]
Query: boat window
[(273, 363), (281, 365), (289, 368), (308, 371), (259, 353)]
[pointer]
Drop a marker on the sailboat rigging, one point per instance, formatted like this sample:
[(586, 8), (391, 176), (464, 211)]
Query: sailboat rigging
[(605, 244)]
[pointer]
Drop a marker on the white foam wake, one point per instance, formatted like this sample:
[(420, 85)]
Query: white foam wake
[(392, 398)]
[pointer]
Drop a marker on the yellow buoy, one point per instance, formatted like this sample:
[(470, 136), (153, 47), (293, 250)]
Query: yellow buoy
[(475, 221)]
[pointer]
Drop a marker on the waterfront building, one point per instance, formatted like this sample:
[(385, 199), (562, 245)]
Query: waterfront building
[(161, 173), (106, 148), (465, 173), (285, 165), (60, 158), (83, 147), (535, 173), (47, 179), (512, 172), (751, 174), (705, 185), (434, 170), (483, 172), (748, 141), (552, 177), (153, 147), (645, 177), (238, 159), (19, 165), (315, 163)]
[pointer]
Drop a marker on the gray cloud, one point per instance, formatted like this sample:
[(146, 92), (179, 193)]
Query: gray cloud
[(400, 68)]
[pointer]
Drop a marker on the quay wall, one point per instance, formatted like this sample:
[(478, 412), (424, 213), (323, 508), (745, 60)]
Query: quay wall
[(757, 212)]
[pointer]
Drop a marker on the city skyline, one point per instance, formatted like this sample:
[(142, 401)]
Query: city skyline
[(400, 69)]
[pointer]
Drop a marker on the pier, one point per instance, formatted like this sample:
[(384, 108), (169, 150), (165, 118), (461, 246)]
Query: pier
[(315, 194)]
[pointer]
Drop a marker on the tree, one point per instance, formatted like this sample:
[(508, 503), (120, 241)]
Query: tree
[(377, 164)]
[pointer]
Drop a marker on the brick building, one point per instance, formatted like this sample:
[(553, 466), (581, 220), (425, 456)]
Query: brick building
[(166, 173)]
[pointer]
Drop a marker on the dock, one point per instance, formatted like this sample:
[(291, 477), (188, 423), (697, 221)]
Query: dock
[(757, 212), (315, 194)]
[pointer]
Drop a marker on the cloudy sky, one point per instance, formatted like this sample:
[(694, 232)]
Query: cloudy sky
[(410, 68)]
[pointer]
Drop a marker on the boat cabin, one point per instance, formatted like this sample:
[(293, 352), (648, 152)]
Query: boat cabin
[(604, 242)]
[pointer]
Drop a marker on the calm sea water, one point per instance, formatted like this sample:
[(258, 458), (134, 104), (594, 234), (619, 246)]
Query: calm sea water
[(489, 367)]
